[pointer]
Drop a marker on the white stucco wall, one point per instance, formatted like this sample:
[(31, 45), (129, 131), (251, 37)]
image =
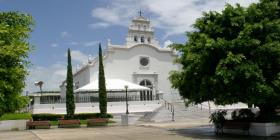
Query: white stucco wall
[(82, 77), (123, 61), (124, 64)]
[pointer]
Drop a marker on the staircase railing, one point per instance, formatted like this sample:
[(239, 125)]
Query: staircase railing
[(170, 107)]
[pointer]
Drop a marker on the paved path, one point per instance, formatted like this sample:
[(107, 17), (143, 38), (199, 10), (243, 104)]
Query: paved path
[(104, 133), (123, 133)]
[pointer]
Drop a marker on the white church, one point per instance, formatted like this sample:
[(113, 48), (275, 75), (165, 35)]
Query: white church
[(140, 64), (139, 68)]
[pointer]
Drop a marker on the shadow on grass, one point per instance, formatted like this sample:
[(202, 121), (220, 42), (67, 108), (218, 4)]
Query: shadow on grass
[(207, 132)]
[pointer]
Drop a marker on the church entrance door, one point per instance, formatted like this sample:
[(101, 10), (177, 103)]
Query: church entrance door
[(146, 95)]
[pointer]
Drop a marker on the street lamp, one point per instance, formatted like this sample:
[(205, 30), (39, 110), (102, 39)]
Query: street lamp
[(40, 84), (126, 87)]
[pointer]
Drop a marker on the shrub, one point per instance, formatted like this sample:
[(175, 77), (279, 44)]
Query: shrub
[(68, 117), (16, 116), (84, 116), (45, 117), (218, 118), (55, 117), (99, 115), (243, 115)]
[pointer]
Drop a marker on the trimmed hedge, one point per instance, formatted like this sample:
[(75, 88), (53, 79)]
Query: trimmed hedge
[(47, 117), (84, 116), (55, 117)]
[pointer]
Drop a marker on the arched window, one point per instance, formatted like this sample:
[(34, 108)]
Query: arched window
[(149, 39), (145, 27), (142, 39), (146, 83), (135, 38)]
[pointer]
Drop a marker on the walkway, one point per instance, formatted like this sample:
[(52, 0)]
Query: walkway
[(122, 133)]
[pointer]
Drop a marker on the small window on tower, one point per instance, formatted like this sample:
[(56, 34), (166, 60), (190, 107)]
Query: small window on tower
[(144, 27), (142, 39), (135, 39), (149, 39)]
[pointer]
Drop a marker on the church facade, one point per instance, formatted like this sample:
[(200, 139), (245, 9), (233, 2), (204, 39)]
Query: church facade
[(140, 61)]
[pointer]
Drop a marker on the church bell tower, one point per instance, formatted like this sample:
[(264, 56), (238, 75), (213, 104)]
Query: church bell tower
[(140, 32)]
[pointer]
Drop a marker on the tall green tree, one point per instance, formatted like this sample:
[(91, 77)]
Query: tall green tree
[(233, 56), (15, 28), (70, 103), (102, 86)]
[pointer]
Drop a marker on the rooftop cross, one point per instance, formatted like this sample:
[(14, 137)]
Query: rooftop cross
[(140, 13)]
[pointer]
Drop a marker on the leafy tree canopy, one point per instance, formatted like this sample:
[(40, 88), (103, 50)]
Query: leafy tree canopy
[(233, 56), (14, 47)]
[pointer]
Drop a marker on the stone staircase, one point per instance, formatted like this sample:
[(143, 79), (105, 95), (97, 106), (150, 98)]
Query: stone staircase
[(181, 113), (147, 117)]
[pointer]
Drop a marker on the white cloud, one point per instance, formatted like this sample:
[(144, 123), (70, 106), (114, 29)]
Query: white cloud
[(91, 43), (65, 34), (78, 56), (167, 43), (52, 77), (73, 43), (86, 44), (174, 16), (99, 25), (54, 45)]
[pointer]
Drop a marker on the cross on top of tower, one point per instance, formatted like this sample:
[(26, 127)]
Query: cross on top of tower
[(140, 13)]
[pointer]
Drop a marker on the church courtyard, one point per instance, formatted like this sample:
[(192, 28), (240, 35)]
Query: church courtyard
[(190, 123), (125, 133)]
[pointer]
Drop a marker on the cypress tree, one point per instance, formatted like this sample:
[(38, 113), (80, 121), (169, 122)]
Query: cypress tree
[(70, 104), (102, 86)]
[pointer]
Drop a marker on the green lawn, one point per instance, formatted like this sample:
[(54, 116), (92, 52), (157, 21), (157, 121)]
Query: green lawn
[(16, 116)]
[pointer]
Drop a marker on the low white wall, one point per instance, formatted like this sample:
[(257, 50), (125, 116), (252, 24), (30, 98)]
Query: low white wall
[(257, 129), (264, 129), (112, 107), (63, 105), (13, 125)]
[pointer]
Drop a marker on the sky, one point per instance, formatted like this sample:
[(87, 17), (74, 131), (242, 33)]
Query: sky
[(81, 24)]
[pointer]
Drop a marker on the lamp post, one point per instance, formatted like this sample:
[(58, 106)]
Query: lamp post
[(40, 84), (126, 87)]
